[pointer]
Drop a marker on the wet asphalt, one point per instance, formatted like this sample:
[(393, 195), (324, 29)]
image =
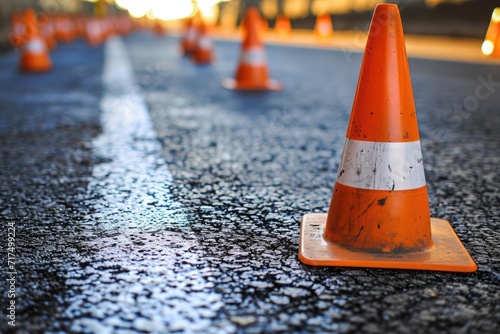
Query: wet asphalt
[(187, 220)]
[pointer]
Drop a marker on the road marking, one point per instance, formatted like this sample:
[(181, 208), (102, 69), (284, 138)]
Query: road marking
[(141, 264)]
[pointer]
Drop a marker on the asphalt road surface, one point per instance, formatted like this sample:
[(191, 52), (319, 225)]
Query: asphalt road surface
[(146, 198)]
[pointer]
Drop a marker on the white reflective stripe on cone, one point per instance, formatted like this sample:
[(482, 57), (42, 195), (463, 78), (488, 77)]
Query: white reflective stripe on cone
[(381, 166), (93, 28), (254, 56), (36, 46), (205, 43)]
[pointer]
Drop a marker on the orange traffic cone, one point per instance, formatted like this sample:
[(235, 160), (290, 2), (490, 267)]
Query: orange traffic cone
[(80, 25), (17, 29), (263, 27), (282, 26), (379, 213), (323, 27), (252, 73), (64, 29), (107, 27), (203, 51), (94, 32), (188, 42), (48, 32), (34, 52), (159, 29), (491, 44), (124, 25)]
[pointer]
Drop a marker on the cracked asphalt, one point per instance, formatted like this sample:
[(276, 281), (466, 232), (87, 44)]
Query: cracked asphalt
[(160, 202)]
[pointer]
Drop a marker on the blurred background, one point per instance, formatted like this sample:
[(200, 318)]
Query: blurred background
[(455, 18)]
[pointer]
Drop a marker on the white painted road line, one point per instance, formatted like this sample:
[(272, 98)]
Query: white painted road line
[(139, 265)]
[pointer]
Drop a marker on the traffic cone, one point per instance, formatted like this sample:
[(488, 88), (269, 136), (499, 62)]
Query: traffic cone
[(263, 27), (48, 32), (125, 25), (491, 44), (80, 26), (323, 27), (34, 52), (17, 29), (282, 26), (203, 51), (188, 42), (379, 213), (159, 29), (251, 73), (108, 27), (64, 29), (112, 26), (94, 32)]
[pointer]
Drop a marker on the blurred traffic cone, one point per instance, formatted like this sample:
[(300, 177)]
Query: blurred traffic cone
[(203, 51), (323, 27), (282, 26), (159, 29), (17, 29), (263, 27), (80, 25), (94, 33), (64, 29), (48, 32), (491, 44), (108, 27), (34, 53), (188, 42), (112, 27), (252, 73), (379, 213), (125, 25)]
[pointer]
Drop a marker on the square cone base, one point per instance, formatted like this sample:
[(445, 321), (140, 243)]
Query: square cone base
[(447, 253)]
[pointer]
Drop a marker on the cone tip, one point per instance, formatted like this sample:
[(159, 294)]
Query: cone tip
[(385, 17), (387, 7), (252, 14), (495, 17)]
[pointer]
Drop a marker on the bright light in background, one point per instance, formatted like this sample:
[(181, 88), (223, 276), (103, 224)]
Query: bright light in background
[(123, 4), (138, 8), (487, 48), (160, 9), (319, 7), (434, 3), (172, 10), (208, 9), (269, 8), (296, 8)]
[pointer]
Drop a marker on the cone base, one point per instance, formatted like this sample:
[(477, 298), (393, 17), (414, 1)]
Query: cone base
[(203, 62), (36, 66), (447, 254), (203, 59), (271, 85)]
